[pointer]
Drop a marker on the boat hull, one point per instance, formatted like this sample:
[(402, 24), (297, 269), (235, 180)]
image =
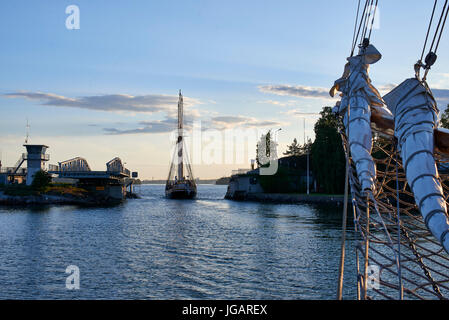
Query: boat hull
[(180, 194)]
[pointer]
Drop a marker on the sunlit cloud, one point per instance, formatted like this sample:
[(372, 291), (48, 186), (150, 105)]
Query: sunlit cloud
[(158, 126), (227, 122), (300, 113), (441, 95), (279, 103), (150, 103), (214, 123), (296, 91)]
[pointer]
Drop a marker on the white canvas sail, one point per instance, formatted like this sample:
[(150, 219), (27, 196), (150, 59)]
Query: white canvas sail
[(362, 98), (416, 117)]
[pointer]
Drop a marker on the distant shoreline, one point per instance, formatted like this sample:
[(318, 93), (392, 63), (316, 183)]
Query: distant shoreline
[(220, 181)]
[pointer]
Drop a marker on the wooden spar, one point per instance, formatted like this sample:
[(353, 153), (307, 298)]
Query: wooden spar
[(441, 135), (180, 137)]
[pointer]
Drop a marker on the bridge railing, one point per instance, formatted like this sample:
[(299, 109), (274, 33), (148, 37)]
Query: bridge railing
[(240, 171), (40, 156), (13, 170)]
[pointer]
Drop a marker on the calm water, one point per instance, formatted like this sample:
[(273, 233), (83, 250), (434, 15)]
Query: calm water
[(155, 248)]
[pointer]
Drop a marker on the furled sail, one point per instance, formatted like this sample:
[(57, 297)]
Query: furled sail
[(415, 117), (362, 98)]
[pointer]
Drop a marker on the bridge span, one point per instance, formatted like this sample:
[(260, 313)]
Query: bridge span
[(115, 182)]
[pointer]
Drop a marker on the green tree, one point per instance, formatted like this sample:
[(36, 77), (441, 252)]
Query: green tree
[(294, 149), (41, 180), (328, 159), (444, 121), (306, 148)]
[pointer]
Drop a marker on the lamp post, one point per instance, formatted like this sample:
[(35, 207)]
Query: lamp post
[(308, 152)]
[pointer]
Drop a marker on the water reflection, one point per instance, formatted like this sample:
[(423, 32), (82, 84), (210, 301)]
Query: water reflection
[(208, 248)]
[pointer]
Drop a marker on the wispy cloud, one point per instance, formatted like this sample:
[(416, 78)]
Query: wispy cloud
[(214, 123), (441, 95), (296, 91), (300, 113), (280, 103), (150, 103), (227, 122), (157, 126), (384, 89)]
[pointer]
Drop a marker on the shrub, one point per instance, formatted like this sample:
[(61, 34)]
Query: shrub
[(41, 180)]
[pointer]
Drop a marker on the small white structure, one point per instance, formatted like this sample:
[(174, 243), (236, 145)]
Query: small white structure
[(36, 159), (242, 184)]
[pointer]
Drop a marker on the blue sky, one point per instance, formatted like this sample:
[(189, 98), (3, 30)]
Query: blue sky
[(78, 88)]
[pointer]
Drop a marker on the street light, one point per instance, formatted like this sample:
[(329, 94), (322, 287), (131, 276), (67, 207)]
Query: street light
[(308, 152)]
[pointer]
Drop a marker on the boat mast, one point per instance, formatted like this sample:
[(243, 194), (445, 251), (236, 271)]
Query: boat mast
[(180, 142)]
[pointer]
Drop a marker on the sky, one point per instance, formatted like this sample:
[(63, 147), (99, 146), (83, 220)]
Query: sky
[(110, 88)]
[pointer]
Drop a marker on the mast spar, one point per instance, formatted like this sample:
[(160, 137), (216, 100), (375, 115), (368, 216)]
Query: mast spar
[(180, 136), (178, 185)]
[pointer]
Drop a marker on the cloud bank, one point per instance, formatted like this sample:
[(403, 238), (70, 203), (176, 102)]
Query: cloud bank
[(229, 122), (147, 104), (296, 91), (441, 95), (150, 103)]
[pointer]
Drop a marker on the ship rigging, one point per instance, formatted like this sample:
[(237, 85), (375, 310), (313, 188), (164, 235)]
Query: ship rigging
[(178, 185)]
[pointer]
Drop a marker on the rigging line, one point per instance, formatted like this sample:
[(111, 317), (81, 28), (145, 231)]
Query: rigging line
[(438, 26), (344, 219), (428, 30), (362, 22), (367, 21), (398, 217), (355, 28), (372, 21), (442, 28)]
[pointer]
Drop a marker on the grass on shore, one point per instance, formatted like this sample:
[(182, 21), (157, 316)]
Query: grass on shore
[(22, 190)]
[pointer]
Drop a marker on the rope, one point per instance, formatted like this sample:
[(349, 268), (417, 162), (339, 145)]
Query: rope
[(345, 213), (431, 56), (428, 30), (362, 18), (397, 227), (355, 28), (398, 218), (442, 28), (365, 279), (372, 21), (367, 21), (438, 26)]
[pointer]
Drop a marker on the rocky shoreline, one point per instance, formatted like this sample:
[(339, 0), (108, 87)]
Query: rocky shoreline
[(288, 198)]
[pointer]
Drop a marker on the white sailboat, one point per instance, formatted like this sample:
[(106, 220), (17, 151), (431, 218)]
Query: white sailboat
[(178, 185)]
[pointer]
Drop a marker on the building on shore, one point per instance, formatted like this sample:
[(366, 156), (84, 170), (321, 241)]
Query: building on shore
[(116, 182), (292, 176), (35, 157)]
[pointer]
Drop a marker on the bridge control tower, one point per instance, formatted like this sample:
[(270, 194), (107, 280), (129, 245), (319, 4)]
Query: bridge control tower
[(36, 159)]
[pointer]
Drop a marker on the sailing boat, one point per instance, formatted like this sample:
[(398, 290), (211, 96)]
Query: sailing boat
[(178, 185)]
